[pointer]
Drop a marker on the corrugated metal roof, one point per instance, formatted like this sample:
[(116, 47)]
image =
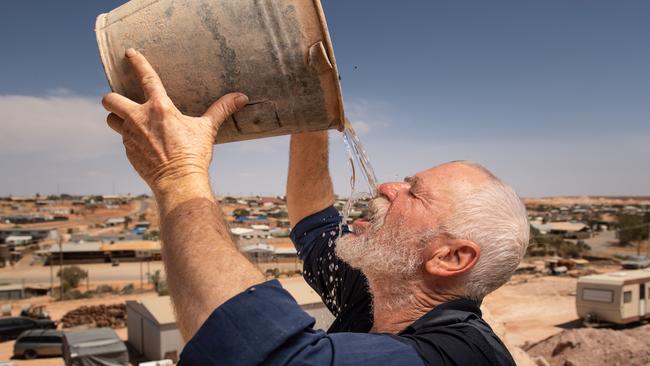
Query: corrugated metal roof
[(76, 248), (139, 245)]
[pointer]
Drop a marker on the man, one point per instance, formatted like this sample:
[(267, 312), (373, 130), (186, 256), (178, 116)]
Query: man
[(435, 245)]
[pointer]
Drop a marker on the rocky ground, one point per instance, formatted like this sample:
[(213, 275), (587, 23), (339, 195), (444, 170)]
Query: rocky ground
[(588, 346)]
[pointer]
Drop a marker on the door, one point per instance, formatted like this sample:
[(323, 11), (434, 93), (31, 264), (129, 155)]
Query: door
[(642, 299)]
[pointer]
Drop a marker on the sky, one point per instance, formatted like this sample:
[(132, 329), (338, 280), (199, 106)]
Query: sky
[(553, 96)]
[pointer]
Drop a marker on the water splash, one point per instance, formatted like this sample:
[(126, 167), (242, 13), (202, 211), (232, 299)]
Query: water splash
[(357, 157)]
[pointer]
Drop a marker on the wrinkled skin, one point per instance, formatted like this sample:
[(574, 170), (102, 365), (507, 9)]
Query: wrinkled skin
[(162, 143)]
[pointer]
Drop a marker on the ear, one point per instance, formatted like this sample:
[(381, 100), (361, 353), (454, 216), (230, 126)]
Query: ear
[(452, 257)]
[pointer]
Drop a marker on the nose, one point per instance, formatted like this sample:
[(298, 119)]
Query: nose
[(392, 189)]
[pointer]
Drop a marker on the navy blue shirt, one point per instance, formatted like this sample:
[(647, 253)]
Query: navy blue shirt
[(265, 325)]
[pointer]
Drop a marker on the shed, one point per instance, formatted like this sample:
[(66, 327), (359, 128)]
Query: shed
[(94, 347), (12, 292), (152, 329), (18, 239)]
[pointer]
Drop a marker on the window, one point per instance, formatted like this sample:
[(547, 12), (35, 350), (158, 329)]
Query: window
[(627, 296), (30, 340), (590, 294)]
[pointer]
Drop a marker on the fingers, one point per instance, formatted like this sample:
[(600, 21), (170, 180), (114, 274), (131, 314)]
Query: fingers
[(120, 105), (220, 110), (116, 123), (149, 79)]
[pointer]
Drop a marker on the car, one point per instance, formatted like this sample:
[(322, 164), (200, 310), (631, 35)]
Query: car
[(38, 343), (11, 327), (635, 262)]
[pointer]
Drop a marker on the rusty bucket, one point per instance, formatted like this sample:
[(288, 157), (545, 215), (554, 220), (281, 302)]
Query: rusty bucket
[(278, 52)]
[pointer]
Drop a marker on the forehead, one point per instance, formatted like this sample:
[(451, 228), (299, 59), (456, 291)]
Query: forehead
[(452, 176)]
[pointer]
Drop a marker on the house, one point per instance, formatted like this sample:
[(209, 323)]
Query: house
[(16, 240), (76, 253), (576, 230), (258, 251), (152, 329), (115, 221), (12, 292), (132, 250), (36, 234)]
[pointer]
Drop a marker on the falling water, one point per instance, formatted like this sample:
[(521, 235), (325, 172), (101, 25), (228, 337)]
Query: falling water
[(358, 157)]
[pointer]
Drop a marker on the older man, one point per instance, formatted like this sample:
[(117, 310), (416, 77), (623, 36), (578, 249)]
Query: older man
[(405, 286)]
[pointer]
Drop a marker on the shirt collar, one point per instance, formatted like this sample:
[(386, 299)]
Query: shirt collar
[(452, 312)]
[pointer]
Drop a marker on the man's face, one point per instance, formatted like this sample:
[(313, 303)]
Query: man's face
[(403, 217)]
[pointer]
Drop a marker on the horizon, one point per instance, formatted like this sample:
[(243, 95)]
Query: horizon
[(551, 97)]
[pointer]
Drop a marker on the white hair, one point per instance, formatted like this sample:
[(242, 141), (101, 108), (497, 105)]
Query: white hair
[(493, 217)]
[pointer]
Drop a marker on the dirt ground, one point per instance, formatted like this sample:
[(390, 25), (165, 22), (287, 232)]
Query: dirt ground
[(587, 346), (533, 308)]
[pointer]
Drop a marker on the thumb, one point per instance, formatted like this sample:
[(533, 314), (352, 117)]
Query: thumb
[(224, 107)]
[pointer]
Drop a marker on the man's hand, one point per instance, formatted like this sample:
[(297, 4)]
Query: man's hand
[(161, 143)]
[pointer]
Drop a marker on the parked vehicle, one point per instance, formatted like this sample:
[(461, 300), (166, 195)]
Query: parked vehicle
[(617, 297), (11, 327), (38, 343), (635, 262)]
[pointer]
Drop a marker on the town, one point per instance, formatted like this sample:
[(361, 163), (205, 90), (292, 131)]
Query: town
[(94, 262)]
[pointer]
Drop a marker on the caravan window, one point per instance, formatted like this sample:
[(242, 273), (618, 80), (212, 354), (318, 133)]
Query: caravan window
[(591, 294), (627, 296)]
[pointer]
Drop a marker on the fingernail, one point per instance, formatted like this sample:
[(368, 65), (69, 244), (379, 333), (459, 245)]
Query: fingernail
[(130, 52), (241, 100)]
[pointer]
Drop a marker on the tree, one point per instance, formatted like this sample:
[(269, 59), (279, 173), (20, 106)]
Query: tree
[(632, 228), (159, 284), (127, 221), (72, 276), (151, 235), (241, 212)]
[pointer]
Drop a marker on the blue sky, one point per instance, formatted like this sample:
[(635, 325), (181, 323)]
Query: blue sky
[(553, 96)]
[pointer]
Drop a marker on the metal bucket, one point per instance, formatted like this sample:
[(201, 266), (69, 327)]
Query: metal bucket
[(278, 52)]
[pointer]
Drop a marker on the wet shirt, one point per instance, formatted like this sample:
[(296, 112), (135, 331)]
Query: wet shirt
[(265, 326)]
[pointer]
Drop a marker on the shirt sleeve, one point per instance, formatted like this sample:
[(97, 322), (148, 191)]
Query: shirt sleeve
[(264, 325), (340, 286)]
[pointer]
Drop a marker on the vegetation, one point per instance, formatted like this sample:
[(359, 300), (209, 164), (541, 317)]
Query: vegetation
[(241, 212), (151, 235), (159, 284), (71, 277), (632, 228), (547, 244)]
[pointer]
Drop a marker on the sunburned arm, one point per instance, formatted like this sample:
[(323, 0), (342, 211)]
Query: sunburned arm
[(204, 268), (309, 186)]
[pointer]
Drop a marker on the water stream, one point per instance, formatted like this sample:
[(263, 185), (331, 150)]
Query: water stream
[(358, 158)]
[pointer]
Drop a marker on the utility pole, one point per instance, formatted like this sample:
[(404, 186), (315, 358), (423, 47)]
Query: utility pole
[(51, 260), (648, 243), (141, 278), (61, 267)]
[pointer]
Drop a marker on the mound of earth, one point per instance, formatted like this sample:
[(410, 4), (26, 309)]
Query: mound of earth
[(589, 346)]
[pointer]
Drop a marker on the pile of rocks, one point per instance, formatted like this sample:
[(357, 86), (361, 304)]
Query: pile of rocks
[(99, 316)]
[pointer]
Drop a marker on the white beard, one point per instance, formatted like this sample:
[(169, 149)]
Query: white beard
[(392, 253)]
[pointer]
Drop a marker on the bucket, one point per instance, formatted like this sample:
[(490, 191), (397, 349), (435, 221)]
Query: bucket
[(277, 52)]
